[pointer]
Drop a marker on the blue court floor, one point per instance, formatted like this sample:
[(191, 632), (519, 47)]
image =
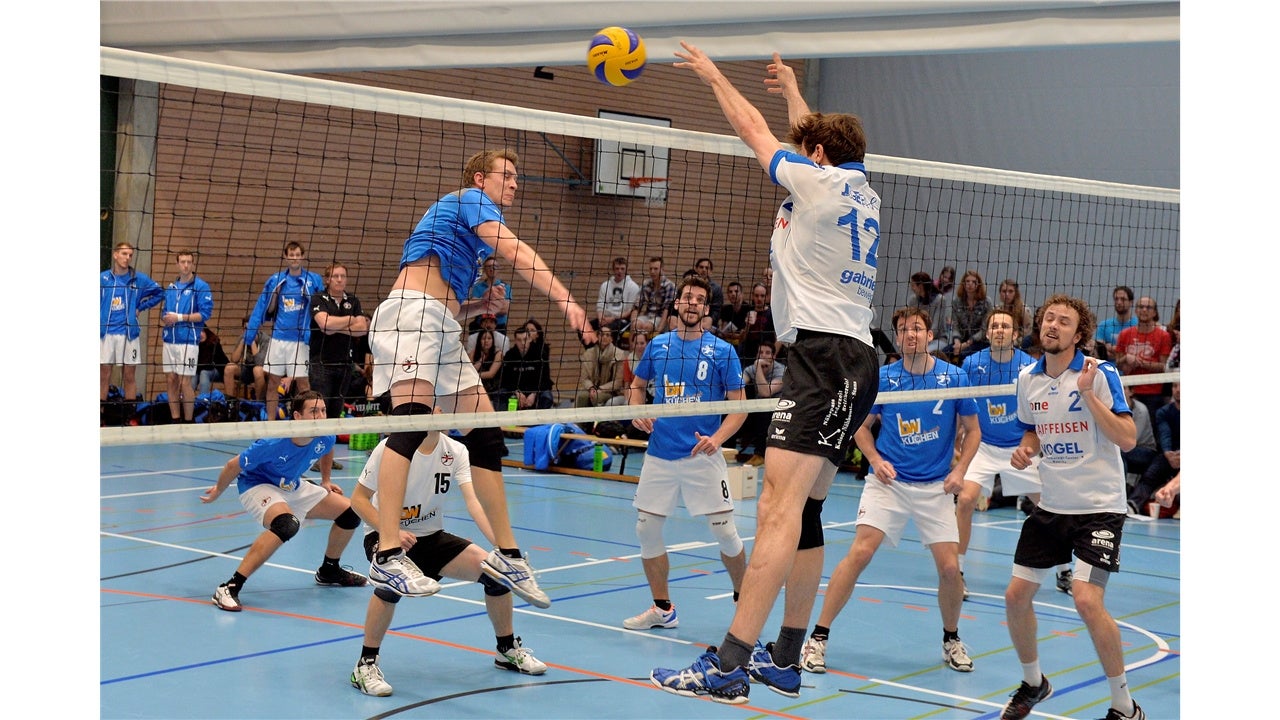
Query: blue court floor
[(166, 652)]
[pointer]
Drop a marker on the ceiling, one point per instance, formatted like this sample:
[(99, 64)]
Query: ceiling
[(308, 36)]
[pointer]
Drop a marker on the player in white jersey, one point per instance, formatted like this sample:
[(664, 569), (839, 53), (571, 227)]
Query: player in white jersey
[(1074, 414), (683, 460), (823, 256), (440, 469), (998, 364)]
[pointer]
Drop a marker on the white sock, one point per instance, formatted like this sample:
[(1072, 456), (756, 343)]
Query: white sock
[(1120, 697), (1031, 673), (961, 563)]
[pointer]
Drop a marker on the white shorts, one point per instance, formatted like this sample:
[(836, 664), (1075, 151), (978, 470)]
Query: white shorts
[(413, 336), (180, 358), (301, 501), (888, 508), (287, 358), (701, 480), (992, 460), (119, 350)]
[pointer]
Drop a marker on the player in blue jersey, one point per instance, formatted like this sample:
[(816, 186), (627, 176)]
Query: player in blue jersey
[(125, 292), (823, 256), (998, 364), (1074, 415), (420, 356), (188, 305), (914, 479), (269, 480), (683, 460), (285, 301)]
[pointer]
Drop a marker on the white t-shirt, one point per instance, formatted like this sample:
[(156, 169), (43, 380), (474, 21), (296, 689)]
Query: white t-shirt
[(431, 478), (617, 298)]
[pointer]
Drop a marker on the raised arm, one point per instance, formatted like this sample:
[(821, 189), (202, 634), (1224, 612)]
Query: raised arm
[(783, 81), (746, 120), (531, 267)]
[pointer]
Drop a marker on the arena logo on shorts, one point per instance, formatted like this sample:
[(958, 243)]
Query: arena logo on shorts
[(1104, 539)]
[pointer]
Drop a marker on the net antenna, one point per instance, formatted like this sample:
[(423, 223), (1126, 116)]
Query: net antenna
[(652, 189)]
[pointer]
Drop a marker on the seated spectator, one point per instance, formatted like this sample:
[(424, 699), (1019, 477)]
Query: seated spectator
[(489, 321), (488, 362), (496, 290), (211, 362), (639, 341), (1143, 350), (733, 314), (759, 330), (1137, 460), (1108, 332), (526, 375), (1166, 465), (617, 296), (969, 315), (600, 381), (244, 376), (1011, 301), (924, 295), (656, 295), (762, 379), (715, 301)]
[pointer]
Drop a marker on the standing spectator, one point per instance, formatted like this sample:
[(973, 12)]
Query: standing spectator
[(829, 381), (439, 466), (945, 283), (337, 325), (417, 342), (494, 290), (1143, 350), (968, 314), (269, 480), (125, 293), (760, 328), (1166, 464), (489, 322), (1011, 300), (915, 479), (210, 362), (284, 300), (1109, 329), (733, 314), (683, 459), (617, 296), (1073, 414), (526, 375), (487, 359), (600, 380), (761, 379), (188, 305), (704, 267), (649, 314)]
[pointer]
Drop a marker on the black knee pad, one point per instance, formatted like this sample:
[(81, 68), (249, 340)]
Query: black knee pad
[(811, 525), (492, 587), (386, 595), (348, 520), (486, 447), (285, 526), (405, 444)]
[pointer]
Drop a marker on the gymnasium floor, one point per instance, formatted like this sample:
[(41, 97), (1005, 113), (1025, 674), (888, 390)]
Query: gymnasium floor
[(166, 652)]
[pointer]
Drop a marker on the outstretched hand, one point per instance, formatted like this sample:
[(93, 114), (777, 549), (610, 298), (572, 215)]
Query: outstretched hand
[(783, 77), (697, 61)]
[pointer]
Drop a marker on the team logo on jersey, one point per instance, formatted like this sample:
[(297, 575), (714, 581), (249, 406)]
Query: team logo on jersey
[(893, 383), (911, 432), (446, 458), (999, 412), (942, 379), (709, 350), (409, 364)]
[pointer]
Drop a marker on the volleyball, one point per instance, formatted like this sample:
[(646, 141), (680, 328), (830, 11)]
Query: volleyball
[(616, 56)]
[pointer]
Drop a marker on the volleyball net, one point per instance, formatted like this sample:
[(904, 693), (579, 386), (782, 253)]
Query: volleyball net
[(232, 163)]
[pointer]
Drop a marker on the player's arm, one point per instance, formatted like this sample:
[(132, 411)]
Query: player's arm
[(971, 433), (533, 268), (746, 120), (732, 422), (326, 473), (476, 510), (225, 476), (362, 503), (635, 396), (783, 81), (866, 442), (1027, 449)]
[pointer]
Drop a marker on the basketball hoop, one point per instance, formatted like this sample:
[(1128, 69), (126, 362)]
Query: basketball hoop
[(652, 189)]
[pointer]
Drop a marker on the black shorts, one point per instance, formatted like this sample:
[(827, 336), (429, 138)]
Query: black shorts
[(431, 553), (1048, 539), (828, 388)]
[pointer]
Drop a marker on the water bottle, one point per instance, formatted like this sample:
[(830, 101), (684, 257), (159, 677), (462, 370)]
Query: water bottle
[(597, 458), (512, 403)]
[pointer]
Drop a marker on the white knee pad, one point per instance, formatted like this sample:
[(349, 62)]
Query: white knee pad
[(649, 530), (726, 533)]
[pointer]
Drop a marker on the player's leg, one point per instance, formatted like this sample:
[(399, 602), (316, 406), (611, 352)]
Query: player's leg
[(267, 505), (337, 508), (657, 492)]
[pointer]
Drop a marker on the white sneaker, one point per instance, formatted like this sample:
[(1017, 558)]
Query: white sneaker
[(813, 656), (956, 656), (224, 599), (516, 574), (654, 617), (367, 678), (519, 659), (399, 575)]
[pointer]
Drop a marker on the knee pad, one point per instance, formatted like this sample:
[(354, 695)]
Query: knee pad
[(486, 447), (726, 533), (811, 525), (405, 444), (492, 587), (649, 530), (348, 520), (285, 526), (386, 595)]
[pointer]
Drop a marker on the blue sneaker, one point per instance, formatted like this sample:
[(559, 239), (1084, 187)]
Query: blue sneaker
[(784, 681), (704, 677)]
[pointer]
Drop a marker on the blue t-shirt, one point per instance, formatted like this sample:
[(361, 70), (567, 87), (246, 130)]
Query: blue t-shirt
[(1109, 329), (997, 414), (279, 462), (447, 231), (919, 438), (702, 370)]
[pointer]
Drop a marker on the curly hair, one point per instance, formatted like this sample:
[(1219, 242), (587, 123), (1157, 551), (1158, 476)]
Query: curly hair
[(1087, 319)]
